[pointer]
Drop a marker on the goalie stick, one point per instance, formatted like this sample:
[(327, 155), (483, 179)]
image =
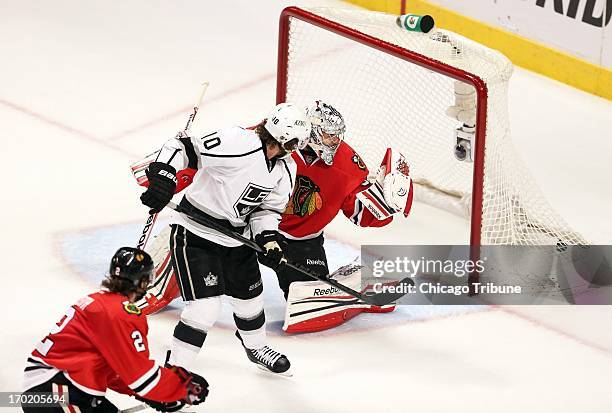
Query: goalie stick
[(146, 231), (380, 299)]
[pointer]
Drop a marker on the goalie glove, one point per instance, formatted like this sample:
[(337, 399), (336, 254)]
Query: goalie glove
[(391, 190), (397, 185)]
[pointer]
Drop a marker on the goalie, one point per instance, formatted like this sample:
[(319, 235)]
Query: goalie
[(331, 177)]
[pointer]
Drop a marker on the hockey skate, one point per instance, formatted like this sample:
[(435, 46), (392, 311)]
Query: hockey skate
[(267, 359)]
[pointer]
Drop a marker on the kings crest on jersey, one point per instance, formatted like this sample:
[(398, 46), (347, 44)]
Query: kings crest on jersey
[(235, 181)]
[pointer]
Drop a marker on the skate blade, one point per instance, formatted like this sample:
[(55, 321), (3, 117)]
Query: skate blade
[(288, 373)]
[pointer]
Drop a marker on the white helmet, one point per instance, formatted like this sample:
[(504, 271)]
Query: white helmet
[(287, 122)]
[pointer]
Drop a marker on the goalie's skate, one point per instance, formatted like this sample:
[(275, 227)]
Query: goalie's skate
[(267, 359)]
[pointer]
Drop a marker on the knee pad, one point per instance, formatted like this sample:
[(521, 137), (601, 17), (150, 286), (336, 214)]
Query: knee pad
[(202, 313), (249, 308)]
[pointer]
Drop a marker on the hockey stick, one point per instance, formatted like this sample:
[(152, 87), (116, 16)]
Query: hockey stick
[(380, 299), (135, 409), (146, 231)]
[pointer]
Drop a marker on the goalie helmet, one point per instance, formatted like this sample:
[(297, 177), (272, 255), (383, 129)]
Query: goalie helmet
[(327, 130), (131, 264), (287, 123)]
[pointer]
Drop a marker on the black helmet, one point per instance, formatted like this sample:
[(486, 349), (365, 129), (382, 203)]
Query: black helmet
[(131, 264)]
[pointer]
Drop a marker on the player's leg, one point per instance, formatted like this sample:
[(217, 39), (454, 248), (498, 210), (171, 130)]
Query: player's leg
[(308, 253), (63, 389), (245, 291), (198, 272)]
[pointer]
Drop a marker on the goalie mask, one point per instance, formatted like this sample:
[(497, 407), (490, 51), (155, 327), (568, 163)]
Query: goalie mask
[(327, 130)]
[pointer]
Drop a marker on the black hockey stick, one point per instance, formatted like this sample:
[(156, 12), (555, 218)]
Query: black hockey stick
[(379, 299)]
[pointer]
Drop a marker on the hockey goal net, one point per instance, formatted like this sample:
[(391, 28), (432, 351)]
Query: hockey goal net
[(393, 88)]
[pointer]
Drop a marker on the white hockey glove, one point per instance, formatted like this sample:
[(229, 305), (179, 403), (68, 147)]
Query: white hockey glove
[(464, 109), (391, 190)]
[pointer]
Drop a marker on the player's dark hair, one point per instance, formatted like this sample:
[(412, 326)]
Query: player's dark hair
[(264, 135), (118, 285), (128, 268)]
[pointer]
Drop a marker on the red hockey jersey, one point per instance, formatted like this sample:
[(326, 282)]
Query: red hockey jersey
[(321, 191), (100, 343)]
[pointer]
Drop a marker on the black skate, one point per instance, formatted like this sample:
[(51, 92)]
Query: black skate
[(268, 359)]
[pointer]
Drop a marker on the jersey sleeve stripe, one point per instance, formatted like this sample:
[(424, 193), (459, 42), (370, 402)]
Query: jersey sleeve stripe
[(30, 368), (219, 155), (192, 155), (173, 155), (359, 208), (288, 173), (378, 197), (149, 385), (157, 157), (36, 362), (138, 383), (259, 212)]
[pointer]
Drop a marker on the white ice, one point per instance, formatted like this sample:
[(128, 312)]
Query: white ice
[(88, 87)]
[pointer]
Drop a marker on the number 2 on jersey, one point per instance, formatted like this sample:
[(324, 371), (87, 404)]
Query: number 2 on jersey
[(45, 345), (138, 341)]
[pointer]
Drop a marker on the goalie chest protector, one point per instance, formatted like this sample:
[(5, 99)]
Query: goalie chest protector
[(322, 190)]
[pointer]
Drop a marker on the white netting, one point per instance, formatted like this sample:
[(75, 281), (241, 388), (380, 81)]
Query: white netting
[(388, 102)]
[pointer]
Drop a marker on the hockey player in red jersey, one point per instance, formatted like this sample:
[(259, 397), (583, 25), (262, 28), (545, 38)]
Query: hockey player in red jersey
[(332, 177), (101, 343)]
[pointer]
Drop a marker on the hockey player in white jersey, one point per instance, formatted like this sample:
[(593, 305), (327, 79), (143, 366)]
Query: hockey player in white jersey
[(243, 182)]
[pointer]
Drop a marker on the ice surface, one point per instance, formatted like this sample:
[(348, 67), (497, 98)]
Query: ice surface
[(89, 87)]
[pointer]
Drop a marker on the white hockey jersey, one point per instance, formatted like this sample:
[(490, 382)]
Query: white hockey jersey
[(235, 181)]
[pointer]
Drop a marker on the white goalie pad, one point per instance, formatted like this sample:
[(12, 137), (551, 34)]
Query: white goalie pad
[(315, 305), (160, 247), (311, 304), (164, 288)]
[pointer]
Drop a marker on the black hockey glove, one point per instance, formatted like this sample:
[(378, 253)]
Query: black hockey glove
[(272, 243), (162, 184)]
